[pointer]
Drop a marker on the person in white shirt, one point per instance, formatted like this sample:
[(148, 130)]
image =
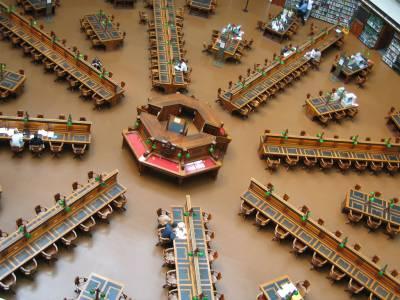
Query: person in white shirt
[(309, 8), (181, 66), (314, 54), (17, 140)]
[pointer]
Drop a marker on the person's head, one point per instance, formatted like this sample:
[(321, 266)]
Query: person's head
[(36, 136), (16, 131), (316, 49), (174, 225)]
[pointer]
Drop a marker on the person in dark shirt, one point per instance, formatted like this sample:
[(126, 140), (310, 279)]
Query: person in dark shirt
[(169, 231), (36, 141)]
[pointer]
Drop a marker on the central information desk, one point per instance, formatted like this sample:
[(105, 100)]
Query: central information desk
[(50, 226), (168, 47), (155, 143), (350, 261), (96, 283), (192, 265), (327, 151), (101, 86), (264, 81), (62, 131)]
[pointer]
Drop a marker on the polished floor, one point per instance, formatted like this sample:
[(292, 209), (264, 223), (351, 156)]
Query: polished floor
[(125, 250)]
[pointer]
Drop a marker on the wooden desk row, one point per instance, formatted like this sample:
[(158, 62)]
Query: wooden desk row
[(368, 205), (11, 83), (202, 6), (102, 31), (193, 271), (321, 108), (261, 84), (26, 34), (165, 41), (393, 120), (66, 132), (51, 225), (328, 151), (327, 245)]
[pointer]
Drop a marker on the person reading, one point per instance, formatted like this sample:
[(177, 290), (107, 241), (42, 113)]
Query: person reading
[(181, 66), (17, 140), (36, 141)]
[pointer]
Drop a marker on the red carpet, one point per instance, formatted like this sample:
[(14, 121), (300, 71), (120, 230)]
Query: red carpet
[(136, 143), (163, 163)]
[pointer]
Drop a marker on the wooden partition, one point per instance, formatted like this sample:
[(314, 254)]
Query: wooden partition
[(101, 86), (372, 276)]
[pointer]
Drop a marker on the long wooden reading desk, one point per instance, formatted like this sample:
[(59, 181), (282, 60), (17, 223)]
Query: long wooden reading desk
[(244, 96), (315, 236), (100, 87), (322, 108), (191, 255), (178, 153), (63, 131), (167, 43), (54, 223), (328, 151), (369, 205), (203, 6), (11, 83)]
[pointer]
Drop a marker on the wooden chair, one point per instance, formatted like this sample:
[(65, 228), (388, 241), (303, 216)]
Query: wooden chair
[(170, 280), (361, 81), (392, 167), (73, 82), (351, 112), (354, 287), (105, 212), (79, 150), (326, 163), (68, 238), (310, 161), (272, 164), (237, 57), (8, 282), (17, 150), (376, 166), (336, 274), (392, 230), (60, 73), (40, 209), (354, 217), (80, 283), (261, 25), (325, 118), (143, 17), (303, 287), (280, 233), (291, 160), (87, 225), (344, 164), (298, 246), (85, 92), (246, 209), (169, 257), (36, 150), (261, 220), (339, 115), (317, 261), (29, 267), (50, 252), (173, 293), (361, 165), (99, 102), (96, 43), (4, 94), (56, 147), (119, 203), (373, 223)]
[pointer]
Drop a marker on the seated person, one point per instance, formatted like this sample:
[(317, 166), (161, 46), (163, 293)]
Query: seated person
[(97, 64), (181, 66), (173, 296), (171, 279), (17, 140), (163, 220), (180, 231), (168, 232), (36, 141), (314, 55)]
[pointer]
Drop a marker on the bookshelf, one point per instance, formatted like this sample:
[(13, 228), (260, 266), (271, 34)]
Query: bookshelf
[(392, 54), (372, 31), (331, 11)]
